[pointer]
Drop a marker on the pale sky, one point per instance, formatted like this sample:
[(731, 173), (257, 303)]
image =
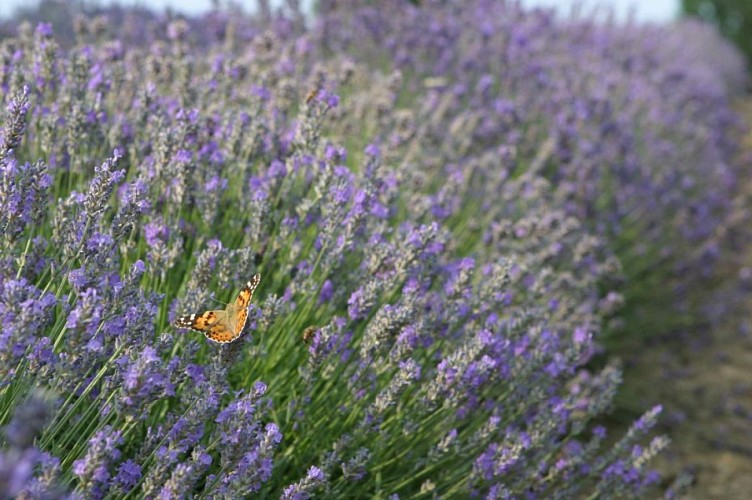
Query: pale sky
[(645, 10)]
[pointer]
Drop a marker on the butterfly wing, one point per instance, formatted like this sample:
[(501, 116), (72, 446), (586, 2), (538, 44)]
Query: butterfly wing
[(238, 311), (223, 326), (213, 324), (200, 322), (222, 332)]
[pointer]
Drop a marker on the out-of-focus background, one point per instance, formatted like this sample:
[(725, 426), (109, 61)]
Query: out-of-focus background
[(731, 16), (643, 10)]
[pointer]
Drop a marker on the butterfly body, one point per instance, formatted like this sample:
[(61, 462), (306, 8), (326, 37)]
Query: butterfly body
[(223, 325)]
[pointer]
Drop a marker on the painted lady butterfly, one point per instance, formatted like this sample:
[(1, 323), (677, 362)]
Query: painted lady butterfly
[(223, 326)]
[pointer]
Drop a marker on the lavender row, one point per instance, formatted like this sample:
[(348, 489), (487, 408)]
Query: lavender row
[(441, 204)]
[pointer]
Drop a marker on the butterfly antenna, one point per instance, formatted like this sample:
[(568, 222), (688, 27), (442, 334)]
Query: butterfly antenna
[(215, 300)]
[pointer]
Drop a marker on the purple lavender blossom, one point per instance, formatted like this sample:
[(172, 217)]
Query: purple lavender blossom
[(127, 475), (448, 201), (94, 469), (306, 487)]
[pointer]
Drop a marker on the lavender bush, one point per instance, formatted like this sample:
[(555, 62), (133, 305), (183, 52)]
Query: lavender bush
[(438, 205), (630, 123)]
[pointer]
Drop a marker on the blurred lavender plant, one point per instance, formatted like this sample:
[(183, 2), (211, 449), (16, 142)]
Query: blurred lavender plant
[(630, 123), (426, 205)]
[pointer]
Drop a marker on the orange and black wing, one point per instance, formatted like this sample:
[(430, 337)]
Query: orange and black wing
[(219, 326), (198, 322), (213, 324), (222, 333), (241, 304)]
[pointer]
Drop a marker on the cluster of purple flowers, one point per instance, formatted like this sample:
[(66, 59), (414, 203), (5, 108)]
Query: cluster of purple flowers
[(442, 206)]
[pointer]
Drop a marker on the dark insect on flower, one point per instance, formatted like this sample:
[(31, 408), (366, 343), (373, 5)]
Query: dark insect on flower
[(223, 326), (308, 334), (311, 95)]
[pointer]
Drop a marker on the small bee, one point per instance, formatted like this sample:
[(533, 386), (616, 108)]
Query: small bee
[(308, 334), (311, 95)]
